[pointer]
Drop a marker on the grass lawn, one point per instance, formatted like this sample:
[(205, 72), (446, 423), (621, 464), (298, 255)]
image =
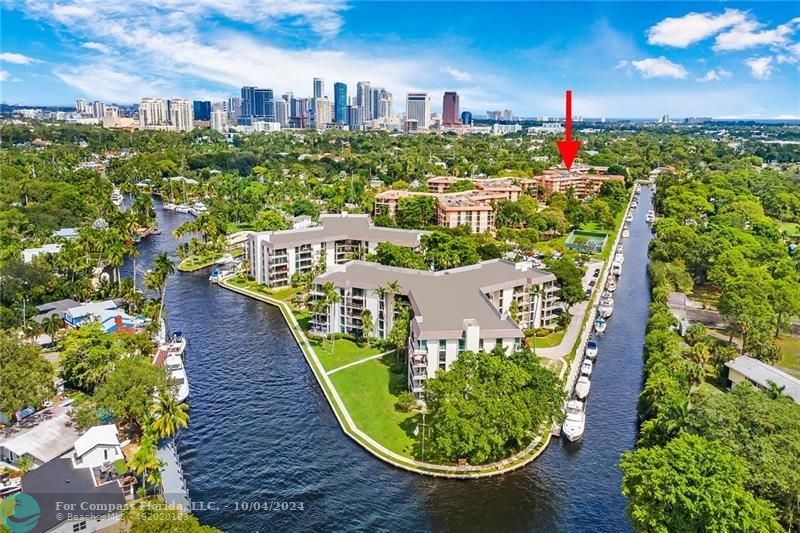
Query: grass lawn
[(346, 352), (196, 262), (790, 349), (369, 391), (791, 229), (548, 341)]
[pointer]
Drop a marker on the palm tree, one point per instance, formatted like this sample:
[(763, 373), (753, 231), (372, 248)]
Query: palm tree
[(115, 255), (775, 391), (145, 458), (163, 267), (332, 297), (52, 325), (169, 416)]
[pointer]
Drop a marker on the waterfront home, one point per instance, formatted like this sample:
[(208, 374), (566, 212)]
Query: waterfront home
[(66, 233), (466, 308), (584, 181), (761, 374), (97, 447), (28, 254), (42, 436), (275, 256), (106, 313)]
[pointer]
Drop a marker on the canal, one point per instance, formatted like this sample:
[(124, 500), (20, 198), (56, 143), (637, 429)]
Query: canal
[(261, 430)]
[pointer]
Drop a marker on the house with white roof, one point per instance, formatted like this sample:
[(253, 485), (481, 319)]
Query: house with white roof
[(46, 249), (97, 447), (106, 313), (760, 374)]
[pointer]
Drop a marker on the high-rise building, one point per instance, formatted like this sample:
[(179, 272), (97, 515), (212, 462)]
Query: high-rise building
[(508, 115), (322, 112), (80, 106), (219, 118), (301, 118), (466, 118), (384, 104), (248, 99), (98, 109), (418, 108), (339, 102), (234, 108), (364, 98), (263, 105), (153, 113), (319, 88), (282, 113), (355, 117), (222, 105), (202, 109), (450, 108), (181, 114)]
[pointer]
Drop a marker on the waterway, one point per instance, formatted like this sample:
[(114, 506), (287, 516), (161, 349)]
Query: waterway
[(262, 431)]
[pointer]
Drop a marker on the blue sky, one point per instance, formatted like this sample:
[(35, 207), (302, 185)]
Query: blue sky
[(621, 59)]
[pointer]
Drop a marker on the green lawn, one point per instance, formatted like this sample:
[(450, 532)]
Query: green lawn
[(790, 349), (548, 341), (369, 391), (791, 229), (346, 352), (196, 262)]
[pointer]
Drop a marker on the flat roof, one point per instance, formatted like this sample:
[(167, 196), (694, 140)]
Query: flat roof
[(446, 298), (46, 440), (57, 483), (339, 227), (762, 373), (58, 307)]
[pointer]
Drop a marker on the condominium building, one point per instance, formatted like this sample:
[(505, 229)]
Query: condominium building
[(80, 106), (219, 120), (275, 256), (153, 112), (584, 181), (181, 114), (450, 108), (418, 108), (340, 102), (364, 98), (472, 308), (322, 112), (98, 109), (282, 113)]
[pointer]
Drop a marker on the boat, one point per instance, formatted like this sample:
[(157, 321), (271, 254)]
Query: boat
[(591, 349), (616, 269), (169, 206), (634, 205), (214, 277), (619, 258), (582, 387), (611, 286), (182, 208), (116, 197), (586, 368), (575, 422), (225, 259), (651, 216), (198, 208), (626, 232), (600, 324), (177, 374), (155, 231), (619, 248), (629, 218), (177, 344), (606, 307)]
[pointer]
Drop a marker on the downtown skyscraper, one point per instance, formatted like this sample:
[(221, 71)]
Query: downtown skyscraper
[(450, 108), (364, 98), (340, 103)]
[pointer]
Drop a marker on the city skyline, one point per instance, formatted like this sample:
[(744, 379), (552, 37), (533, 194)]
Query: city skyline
[(637, 61)]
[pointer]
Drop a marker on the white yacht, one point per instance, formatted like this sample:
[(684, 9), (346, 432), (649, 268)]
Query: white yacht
[(586, 368), (629, 218), (169, 206), (575, 422), (616, 269), (225, 259), (198, 208), (600, 324), (177, 374), (606, 307), (634, 204), (177, 344), (591, 349), (626, 232), (651, 216), (611, 286), (619, 248), (619, 257), (582, 387), (182, 208)]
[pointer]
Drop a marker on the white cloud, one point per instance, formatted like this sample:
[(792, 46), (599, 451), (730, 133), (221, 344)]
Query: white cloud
[(459, 75), (659, 67), (760, 67), (105, 83), (750, 35), (100, 47), (3, 75), (19, 59), (682, 31), (716, 75)]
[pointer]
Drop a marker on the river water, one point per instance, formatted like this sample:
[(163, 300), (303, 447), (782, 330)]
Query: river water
[(261, 430)]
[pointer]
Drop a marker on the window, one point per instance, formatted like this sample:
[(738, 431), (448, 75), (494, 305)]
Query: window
[(480, 345), (442, 354), (498, 342), (424, 345), (105, 454), (460, 345), (80, 526)]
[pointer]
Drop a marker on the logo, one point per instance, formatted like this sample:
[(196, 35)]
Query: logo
[(19, 513)]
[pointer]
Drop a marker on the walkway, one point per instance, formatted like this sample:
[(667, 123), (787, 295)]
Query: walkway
[(354, 363), (172, 483)]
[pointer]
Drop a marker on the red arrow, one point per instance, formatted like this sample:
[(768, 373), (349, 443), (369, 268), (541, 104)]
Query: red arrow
[(568, 147)]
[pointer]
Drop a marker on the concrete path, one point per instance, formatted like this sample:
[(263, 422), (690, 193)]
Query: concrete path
[(576, 322), (354, 363)]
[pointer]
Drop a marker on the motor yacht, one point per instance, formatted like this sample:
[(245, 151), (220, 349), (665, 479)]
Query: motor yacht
[(177, 344), (182, 208), (626, 232), (582, 387), (169, 206), (606, 307), (575, 422), (586, 368), (611, 286), (177, 374), (616, 269), (651, 216), (591, 349), (629, 218), (600, 325), (214, 277)]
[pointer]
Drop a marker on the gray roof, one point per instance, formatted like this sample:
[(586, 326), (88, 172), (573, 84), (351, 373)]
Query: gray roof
[(57, 482), (343, 226), (446, 298), (762, 373), (58, 307)]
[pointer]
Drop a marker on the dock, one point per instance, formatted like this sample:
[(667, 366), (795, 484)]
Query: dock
[(173, 484)]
